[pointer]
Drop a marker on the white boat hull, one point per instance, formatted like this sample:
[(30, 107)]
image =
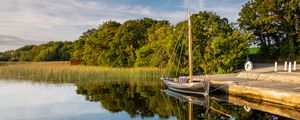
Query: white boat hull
[(199, 87)]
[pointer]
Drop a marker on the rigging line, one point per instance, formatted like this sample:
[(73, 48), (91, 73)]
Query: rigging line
[(207, 105), (223, 104), (169, 62), (160, 57), (173, 54), (178, 110), (175, 51), (219, 88), (222, 113), (207, 79), (179, 58), (165, 98), (156, 54), (180, 36), (220, 107)]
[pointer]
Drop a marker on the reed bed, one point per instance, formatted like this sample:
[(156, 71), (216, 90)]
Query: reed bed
[(63, 72)]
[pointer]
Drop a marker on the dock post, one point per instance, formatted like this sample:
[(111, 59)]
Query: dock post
[(295, 64), (275, 68), (285, 66), (290, 67)]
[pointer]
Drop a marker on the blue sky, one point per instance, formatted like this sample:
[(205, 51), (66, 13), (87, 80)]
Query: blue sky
[(39, 21)]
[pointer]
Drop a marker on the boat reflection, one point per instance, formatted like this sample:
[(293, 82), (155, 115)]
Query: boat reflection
[(194, 99), (246, 107), (197, 100)]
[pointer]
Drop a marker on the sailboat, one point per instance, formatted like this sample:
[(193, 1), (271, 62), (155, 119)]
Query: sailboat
[(188, 84)]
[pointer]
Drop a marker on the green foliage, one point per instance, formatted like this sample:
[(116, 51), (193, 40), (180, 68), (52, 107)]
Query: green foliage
[(147, 43), (77, 53), (155, 53), (52, 51), (275, 23), (225, 53), (205, 27), (131, 36), (253, 50), (26, 53), (95, 40), (6, 56)]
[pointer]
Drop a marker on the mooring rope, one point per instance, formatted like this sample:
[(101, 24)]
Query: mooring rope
[(222, 86)]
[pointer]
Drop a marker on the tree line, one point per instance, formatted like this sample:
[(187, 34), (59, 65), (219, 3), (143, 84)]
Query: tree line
[(276, 26), (52, 51), (218, 45)]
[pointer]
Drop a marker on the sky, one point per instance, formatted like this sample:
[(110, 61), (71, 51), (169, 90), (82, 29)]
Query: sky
[(39, 21)]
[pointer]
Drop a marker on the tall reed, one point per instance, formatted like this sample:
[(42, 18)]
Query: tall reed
[(65, 73)]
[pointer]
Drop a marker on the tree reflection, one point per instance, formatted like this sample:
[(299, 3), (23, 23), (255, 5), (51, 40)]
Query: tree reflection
[(144, 101), (147, 100)]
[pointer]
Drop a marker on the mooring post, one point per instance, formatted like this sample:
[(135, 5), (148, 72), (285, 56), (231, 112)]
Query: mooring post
[(295, 64), (275, 68), (285, 66), (290, 67)]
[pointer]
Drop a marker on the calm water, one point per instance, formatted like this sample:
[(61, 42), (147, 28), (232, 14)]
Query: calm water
[(25, 100)]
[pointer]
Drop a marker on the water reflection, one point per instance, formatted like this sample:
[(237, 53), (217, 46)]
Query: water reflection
[(147, 101), (144, 101), (125, 100)]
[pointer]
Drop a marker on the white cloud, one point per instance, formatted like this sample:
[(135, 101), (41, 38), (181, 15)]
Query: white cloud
[(61, 19), (10, 42), (46, 20), (224, 8)]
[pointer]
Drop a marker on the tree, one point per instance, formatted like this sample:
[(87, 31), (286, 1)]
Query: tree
[(93, 46), (88, 47), (130, 36), (226, 52), (205, 27), (23, 53), (148, 43), (105, 36), (6, 56), (54, 51), (155, 53), (64, 52), (77, 52), (275, 23)]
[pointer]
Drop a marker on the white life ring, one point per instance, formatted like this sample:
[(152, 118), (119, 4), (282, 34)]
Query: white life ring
[(248, 109), (248, 66)]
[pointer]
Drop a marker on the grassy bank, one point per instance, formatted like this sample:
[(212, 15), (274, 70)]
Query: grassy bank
[(63, 72)]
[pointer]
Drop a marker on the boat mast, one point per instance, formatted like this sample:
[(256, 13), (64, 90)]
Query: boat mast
[(190, 111), (190, 47)]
